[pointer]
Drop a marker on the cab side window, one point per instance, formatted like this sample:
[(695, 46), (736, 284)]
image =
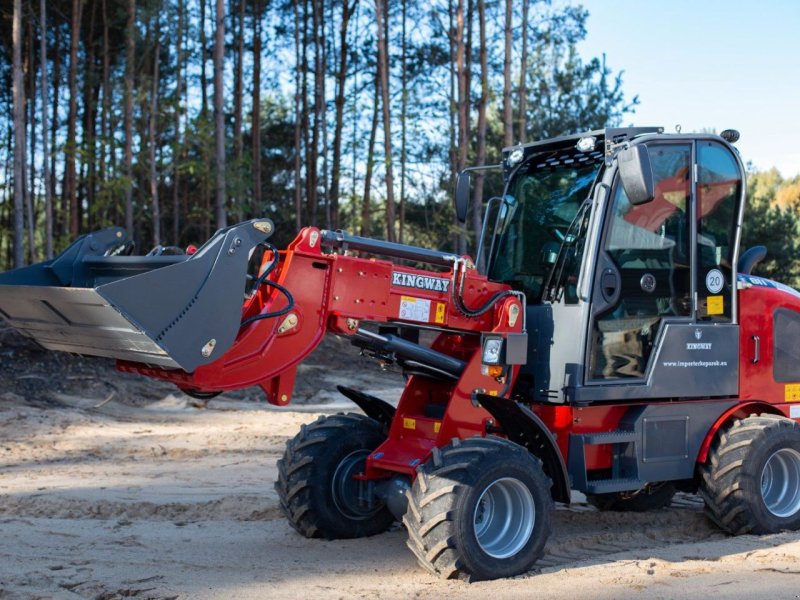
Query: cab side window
[(719, 185)]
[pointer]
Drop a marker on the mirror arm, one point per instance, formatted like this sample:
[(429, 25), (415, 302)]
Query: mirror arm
[(462, 195)]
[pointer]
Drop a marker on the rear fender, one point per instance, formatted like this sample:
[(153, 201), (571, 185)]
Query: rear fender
[(739, 411)]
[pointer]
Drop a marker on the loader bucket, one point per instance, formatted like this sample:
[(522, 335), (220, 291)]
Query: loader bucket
[(178, 311)]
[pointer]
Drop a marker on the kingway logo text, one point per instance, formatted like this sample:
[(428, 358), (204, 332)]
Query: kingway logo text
[(420, 282)]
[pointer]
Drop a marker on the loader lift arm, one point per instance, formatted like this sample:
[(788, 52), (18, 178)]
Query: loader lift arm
[(332, 291), (240, 313)]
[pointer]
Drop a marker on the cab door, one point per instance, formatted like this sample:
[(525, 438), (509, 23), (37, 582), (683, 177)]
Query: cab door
[(663, 275)]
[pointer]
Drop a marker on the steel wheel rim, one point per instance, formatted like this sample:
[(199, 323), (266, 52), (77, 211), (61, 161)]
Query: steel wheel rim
[(504, 517), (780, 483), (344, 489)]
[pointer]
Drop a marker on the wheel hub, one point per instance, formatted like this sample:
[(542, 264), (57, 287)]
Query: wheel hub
[(504, 517), (780, 483), (346, 490)]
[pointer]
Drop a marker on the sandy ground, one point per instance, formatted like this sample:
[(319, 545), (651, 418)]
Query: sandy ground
[(170, 501)]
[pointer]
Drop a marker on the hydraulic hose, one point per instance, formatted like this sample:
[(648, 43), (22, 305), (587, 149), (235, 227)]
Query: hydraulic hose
[(263, 279)]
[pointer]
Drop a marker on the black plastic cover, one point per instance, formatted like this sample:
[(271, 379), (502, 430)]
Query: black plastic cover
[(786, 327)]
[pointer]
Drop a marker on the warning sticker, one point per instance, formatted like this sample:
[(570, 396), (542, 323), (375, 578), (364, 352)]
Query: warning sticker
[(409, 423), (716, 305), (794, 412), (441, 310), (792, 392), (415, 309)]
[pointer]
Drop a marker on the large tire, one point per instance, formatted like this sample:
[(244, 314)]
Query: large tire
[(315, 486), (751, 480), (652, 497), (479, 508)]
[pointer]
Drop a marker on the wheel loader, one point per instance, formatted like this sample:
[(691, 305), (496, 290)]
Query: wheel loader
[(608, 337)]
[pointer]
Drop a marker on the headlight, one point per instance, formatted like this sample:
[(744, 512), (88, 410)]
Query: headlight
[(492, 349), (586, 144), (516, 155)]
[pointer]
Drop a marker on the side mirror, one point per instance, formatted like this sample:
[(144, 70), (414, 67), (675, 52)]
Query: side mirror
[(636, 174), (462, 196)]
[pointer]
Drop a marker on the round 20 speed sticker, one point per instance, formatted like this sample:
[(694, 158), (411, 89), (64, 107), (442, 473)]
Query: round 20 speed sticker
[(714, 281)]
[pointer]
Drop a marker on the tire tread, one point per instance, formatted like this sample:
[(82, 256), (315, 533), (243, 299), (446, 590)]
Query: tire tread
[(728, 503)]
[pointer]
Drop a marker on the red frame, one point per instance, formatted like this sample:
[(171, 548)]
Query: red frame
[(335, 292)]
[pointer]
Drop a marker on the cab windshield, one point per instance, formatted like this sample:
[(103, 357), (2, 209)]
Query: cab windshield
[(534, 221)]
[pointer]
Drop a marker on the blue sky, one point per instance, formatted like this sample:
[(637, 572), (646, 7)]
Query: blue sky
[(708, 64)]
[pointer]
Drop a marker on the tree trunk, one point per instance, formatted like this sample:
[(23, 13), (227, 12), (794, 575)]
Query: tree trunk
[(461, 75), (130, 45), (31, 165), (453, 111), (238, 91), (354, 107), (403, 118), (299, 105), (468, 73), (90, 94), (48, 197), (508, 131), (70, 178), (176, 152), (461, 111), (477, 198), (203, 52), (523, 75), (323, 112), (312, 150), (104, 112), (341, 80), (18, 94), (255, 127), (59, 216), (151, 138), (205, 192), (383, 71), (219, 115), (366, 204)]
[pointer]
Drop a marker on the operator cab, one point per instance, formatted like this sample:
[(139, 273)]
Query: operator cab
[(624, 242)]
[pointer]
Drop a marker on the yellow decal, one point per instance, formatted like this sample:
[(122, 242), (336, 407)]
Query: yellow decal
[(437, 426), (792, 392), (716, 305), (441, 309), (409, 423), (493, 392)]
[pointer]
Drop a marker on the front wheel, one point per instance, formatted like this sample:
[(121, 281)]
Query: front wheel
[(751, 480), (479, 508), (316, 485)]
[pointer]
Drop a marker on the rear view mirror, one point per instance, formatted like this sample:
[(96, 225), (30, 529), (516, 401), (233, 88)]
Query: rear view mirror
[(462, 196), (636, 174)]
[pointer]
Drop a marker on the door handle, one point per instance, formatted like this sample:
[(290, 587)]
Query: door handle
[(609, 284)]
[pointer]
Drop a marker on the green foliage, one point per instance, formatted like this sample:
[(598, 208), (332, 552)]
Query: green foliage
[(776, 226), (568, 95)]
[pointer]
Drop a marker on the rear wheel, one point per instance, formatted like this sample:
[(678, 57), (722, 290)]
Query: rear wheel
[(479, 508), (652, 497), (316, 488), (751, 480)]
